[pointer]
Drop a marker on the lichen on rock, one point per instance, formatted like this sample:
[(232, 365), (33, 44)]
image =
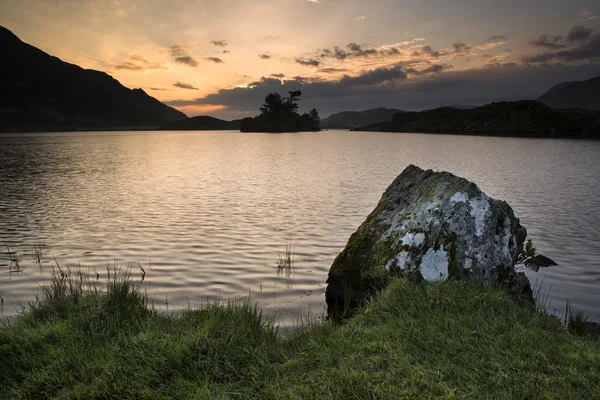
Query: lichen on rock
[(429, 226)]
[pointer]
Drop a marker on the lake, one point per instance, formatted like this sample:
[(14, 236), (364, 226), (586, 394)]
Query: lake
[(208, 214)]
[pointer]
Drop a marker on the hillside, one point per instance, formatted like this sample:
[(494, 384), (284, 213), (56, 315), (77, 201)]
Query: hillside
[(202, 123), (354, 119), (39, 91), (519, 118), (581, 95)]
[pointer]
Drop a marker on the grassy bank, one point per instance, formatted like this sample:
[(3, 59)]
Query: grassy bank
[(443, 340)]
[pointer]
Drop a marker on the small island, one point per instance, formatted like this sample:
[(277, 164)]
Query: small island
[(280, 114)]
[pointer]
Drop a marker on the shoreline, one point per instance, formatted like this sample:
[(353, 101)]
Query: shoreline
[(446, 339)]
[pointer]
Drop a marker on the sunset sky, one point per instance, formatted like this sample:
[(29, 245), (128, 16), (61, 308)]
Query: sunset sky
[(223, 57)]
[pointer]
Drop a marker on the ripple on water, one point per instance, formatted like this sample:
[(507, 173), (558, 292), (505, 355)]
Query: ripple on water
[(206, 213)]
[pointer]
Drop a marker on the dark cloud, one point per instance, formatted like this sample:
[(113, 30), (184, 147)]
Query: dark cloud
[(588, 51), (310, 62), (139, 64), (187, 60), (177, 51), (225, 52), (548, 42), (497, 38), (129, 66), (157, 89), (265, 82), (219, 43), (331, 70), (180, 56), (278, 75), (579, 34), (183, 85), (374, 77), (356, 51), (264, 56), (340, 54), (433, 69), (391, 52), (139, 58), (427, 50), (476, 86), (460, 47), (214, 59)]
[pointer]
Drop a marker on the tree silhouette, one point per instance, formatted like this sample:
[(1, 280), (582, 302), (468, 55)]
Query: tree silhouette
[(281, 115)]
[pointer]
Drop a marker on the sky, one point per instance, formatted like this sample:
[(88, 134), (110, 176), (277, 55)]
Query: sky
[(222, 57)]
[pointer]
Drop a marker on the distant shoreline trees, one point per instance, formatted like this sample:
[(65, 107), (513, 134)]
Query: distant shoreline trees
[(279, 114)]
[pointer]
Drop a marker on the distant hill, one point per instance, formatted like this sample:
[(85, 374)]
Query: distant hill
[(518, 118), (41, 92), (202, 123), (353, 119), (582, 95)]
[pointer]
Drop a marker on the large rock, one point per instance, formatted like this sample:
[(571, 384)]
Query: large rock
[(429, 226)]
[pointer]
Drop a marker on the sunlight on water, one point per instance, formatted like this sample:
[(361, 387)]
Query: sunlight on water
[(208, 214)]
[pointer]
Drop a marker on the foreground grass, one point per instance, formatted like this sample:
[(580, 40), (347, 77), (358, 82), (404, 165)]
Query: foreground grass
[(445, 340)]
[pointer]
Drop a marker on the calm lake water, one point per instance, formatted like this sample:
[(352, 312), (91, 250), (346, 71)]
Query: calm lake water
[(206, 213)]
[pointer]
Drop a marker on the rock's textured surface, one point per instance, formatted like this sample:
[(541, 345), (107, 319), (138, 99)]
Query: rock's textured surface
[(429, 226)]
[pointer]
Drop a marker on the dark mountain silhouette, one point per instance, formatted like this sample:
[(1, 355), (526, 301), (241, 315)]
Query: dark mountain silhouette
[(39, 91), (353, 119), (582, 95), (202, 123), (518, 118)]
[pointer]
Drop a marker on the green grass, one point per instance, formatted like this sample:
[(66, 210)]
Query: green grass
[(447, 340)]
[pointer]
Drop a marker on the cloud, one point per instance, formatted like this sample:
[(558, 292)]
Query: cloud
[(138, 63), (430, 52), (214, 59), (587, 15), (157, 89), (460, 47), (433, 69), (374, 77), (332, 70), (497, 38), (475, 86), (187, 60), (588, 51), (264, 56), (180, 56), (310, 62), (270, 38), (183, 85), (278, 75), (548, 42), (579, 34), (219, 43), (225, 52)]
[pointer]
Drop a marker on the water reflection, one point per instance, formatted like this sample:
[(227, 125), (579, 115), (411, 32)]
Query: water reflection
[(206, 214)]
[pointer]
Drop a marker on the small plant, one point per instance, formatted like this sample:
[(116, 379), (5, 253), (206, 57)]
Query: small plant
[(533, 261), (13, 257), (38, 252), (285, 265), (578, 324)]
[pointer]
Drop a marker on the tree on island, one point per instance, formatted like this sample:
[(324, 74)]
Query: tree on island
[(279, 114)]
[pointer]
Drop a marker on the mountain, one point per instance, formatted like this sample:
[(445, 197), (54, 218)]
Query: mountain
[(202, 123), (353, 119), (518, 118), (41, 92), (582, 95)]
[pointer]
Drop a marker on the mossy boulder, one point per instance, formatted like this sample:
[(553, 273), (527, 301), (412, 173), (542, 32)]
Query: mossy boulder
[(429, 226)]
